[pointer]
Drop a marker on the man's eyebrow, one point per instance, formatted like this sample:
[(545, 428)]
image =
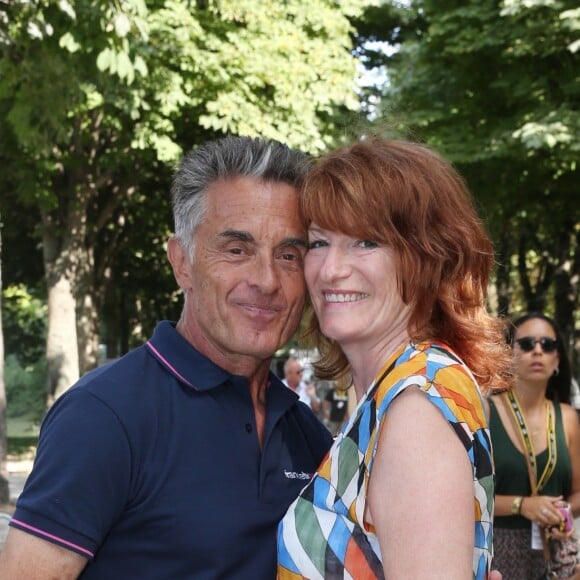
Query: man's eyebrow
[(244, 236), (294, 242), (240, 235)]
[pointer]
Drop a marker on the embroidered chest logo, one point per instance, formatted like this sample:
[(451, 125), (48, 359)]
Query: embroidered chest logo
[(297, 475)]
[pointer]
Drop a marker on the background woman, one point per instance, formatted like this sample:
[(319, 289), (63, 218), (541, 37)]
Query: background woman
[(541, 393), (397, 270)]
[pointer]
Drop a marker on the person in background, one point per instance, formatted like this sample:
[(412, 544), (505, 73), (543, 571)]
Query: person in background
[(179, 459), (335, 408), (306, 391), (534, 418), (397, 269)]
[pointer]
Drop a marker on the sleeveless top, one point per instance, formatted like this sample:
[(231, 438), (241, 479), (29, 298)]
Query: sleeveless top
[(324, 535), (512, 471)]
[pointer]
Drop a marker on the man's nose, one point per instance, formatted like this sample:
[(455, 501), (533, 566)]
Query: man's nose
[(266, 275)]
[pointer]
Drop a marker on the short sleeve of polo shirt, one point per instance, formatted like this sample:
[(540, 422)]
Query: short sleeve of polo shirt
[(81, 476)]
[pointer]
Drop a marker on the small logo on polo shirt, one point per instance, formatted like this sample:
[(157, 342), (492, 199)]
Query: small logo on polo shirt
[(298, 475)]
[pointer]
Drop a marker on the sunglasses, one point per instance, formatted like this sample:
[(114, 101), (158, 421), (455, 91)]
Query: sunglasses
[(527, 343)]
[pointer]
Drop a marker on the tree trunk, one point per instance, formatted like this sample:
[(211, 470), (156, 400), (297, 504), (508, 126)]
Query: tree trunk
[(564, 311), (112, 314), (62, 355), (567, 292), (4, 487), (87, 313), (503, 269), (61, 338)]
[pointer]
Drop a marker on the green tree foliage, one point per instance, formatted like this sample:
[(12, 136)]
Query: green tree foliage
[(493, 85), (4, 487), (25, 388), (24, 325), (24, 322), (97, 99)]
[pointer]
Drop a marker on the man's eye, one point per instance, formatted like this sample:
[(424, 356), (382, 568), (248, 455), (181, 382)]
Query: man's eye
[(236, 251), (292, 255)]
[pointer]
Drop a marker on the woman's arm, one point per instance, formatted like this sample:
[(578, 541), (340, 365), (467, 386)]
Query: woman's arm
[(420, 494)]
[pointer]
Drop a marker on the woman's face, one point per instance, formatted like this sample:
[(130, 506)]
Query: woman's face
[(353, 288), (536, 365)]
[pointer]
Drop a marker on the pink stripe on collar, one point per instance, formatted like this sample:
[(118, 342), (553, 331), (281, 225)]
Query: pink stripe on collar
[(162, 359)]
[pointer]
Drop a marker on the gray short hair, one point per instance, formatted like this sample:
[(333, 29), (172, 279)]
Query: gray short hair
[(229, 157)]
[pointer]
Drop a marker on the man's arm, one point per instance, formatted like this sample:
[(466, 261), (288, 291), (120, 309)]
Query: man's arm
[(27, 557), (71, 497), (326, 410), (314, 400)]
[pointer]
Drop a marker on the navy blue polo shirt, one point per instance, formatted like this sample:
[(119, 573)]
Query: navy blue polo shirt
[(151, 468)]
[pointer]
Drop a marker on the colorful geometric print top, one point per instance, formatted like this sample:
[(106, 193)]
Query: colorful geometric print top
[(323, 535)]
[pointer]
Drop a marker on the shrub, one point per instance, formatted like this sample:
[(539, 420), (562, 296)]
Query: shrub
[(25, 388), (24, 323)]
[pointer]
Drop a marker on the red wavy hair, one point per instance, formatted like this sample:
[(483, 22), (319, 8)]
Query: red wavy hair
[(405, 195)]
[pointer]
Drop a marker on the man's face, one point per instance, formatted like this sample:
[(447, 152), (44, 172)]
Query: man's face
[(245, 285)]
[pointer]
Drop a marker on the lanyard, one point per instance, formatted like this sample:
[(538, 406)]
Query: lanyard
[(529, 448)]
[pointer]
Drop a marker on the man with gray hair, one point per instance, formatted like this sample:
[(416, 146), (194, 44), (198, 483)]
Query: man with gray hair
[(293, 380), (179, 459)]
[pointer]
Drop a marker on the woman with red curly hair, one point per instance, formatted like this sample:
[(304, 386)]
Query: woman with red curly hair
[(397, 270)]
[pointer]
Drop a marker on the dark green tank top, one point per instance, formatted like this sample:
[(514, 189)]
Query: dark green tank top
[(511, 471)]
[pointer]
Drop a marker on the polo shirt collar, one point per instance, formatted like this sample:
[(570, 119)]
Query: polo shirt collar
[(192, 368), (182, 360)]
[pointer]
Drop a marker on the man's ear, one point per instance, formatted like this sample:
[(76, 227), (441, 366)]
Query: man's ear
[(179, 260)]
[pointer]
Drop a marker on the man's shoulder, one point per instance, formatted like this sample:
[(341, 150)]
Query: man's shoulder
[(119, 374), (117, 388)]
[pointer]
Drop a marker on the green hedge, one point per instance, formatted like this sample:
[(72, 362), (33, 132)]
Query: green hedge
[(21, 445)]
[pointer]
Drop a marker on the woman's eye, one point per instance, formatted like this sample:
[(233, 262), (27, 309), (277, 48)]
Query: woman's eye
[(316, 244), (368, 244)]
